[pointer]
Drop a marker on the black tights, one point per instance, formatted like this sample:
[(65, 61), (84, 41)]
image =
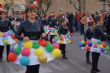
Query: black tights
[(33, 69), (1, 50)]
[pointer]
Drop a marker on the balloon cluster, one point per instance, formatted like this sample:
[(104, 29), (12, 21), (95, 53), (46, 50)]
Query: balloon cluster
[(39, 48), (94, 45), (8, 33), (51, 31), (62, 40)]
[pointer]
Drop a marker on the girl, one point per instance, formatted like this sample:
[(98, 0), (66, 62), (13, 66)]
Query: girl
[(33, 30), (63, 30), (5, 25), (87, 36)]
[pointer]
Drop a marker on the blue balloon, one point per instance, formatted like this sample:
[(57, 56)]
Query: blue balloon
[(80, 45), (24, 61), (11, 50), (102, 50), (90, 45)]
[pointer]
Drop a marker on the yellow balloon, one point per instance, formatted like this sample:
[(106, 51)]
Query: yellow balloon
[(70, 41), (61, 42), (100, 46), (42, 59), (27, 44), (55, 33), (56, 53), (1, 34), (39, 52)]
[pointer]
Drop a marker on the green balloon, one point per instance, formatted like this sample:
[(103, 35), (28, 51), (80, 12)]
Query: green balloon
[(35, 45), (18, 50), (95, 42), (49, 48)]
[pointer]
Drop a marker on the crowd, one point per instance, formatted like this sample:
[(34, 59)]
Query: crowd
[(31, 26)]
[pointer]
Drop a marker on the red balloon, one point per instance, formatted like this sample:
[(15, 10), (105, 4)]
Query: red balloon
[(42, 43), (25, 52), (38, 1), (13, 36), (12, 57), (87, 48), (104, 45)]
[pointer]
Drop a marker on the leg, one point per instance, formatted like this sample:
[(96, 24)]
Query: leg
[(62, 47), (1, 52), (8, 50), (33, 69), (95, 58), (87, 56)]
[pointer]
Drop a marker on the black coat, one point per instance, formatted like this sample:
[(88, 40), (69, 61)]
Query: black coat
[(5, 26), (88, 34), (62, 30), (33, 31)]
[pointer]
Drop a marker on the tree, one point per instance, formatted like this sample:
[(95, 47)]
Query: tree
[(79, 5)]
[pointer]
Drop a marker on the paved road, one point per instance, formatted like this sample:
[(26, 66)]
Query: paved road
[(75, 63)]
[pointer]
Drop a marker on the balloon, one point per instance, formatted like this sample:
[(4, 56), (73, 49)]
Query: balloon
[(17, 50), (70, 41), (35, 45), (39, 52), (27, 44), (25, 52), (62, 38), (95, 42), (80, 45), (100, 46), (24, 61), (1, 34), (55, 45), (42, 43), (83, 42), (61, 42), (11, 50), (49, 47), (42, 59), (90, 44), (95, 46), (47, 42), (102, 50), (104, 45), (87, 48), (5, 41), (13, 36), (12, 57), (56, 53)]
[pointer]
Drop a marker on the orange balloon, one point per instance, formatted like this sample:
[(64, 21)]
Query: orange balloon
[(42, 43), (12, 57)]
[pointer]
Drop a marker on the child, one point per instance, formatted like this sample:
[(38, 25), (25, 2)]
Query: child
[(97, 34), (87, 36), (63, 30)]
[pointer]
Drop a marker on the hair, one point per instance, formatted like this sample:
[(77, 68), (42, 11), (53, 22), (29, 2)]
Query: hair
[(90, 23), (98, 19)]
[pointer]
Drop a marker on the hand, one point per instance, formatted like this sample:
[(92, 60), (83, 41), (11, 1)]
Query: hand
[(43, 35), (26, 38)]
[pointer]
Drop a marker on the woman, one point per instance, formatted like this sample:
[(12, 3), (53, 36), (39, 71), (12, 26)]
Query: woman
[(5, 25), (63, 30), (33, 30)]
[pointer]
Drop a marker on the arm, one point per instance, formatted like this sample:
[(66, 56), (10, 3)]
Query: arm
[(19, 32)]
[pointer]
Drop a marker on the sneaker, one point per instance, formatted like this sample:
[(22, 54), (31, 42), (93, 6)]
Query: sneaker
[(97, 70), (93, 71), (64, 57), (88, 62)]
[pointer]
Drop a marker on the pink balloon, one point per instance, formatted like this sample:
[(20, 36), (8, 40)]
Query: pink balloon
[(55, 45), (25, 52)]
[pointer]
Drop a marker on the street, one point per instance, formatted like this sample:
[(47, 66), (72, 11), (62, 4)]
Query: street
[(75, 64)]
